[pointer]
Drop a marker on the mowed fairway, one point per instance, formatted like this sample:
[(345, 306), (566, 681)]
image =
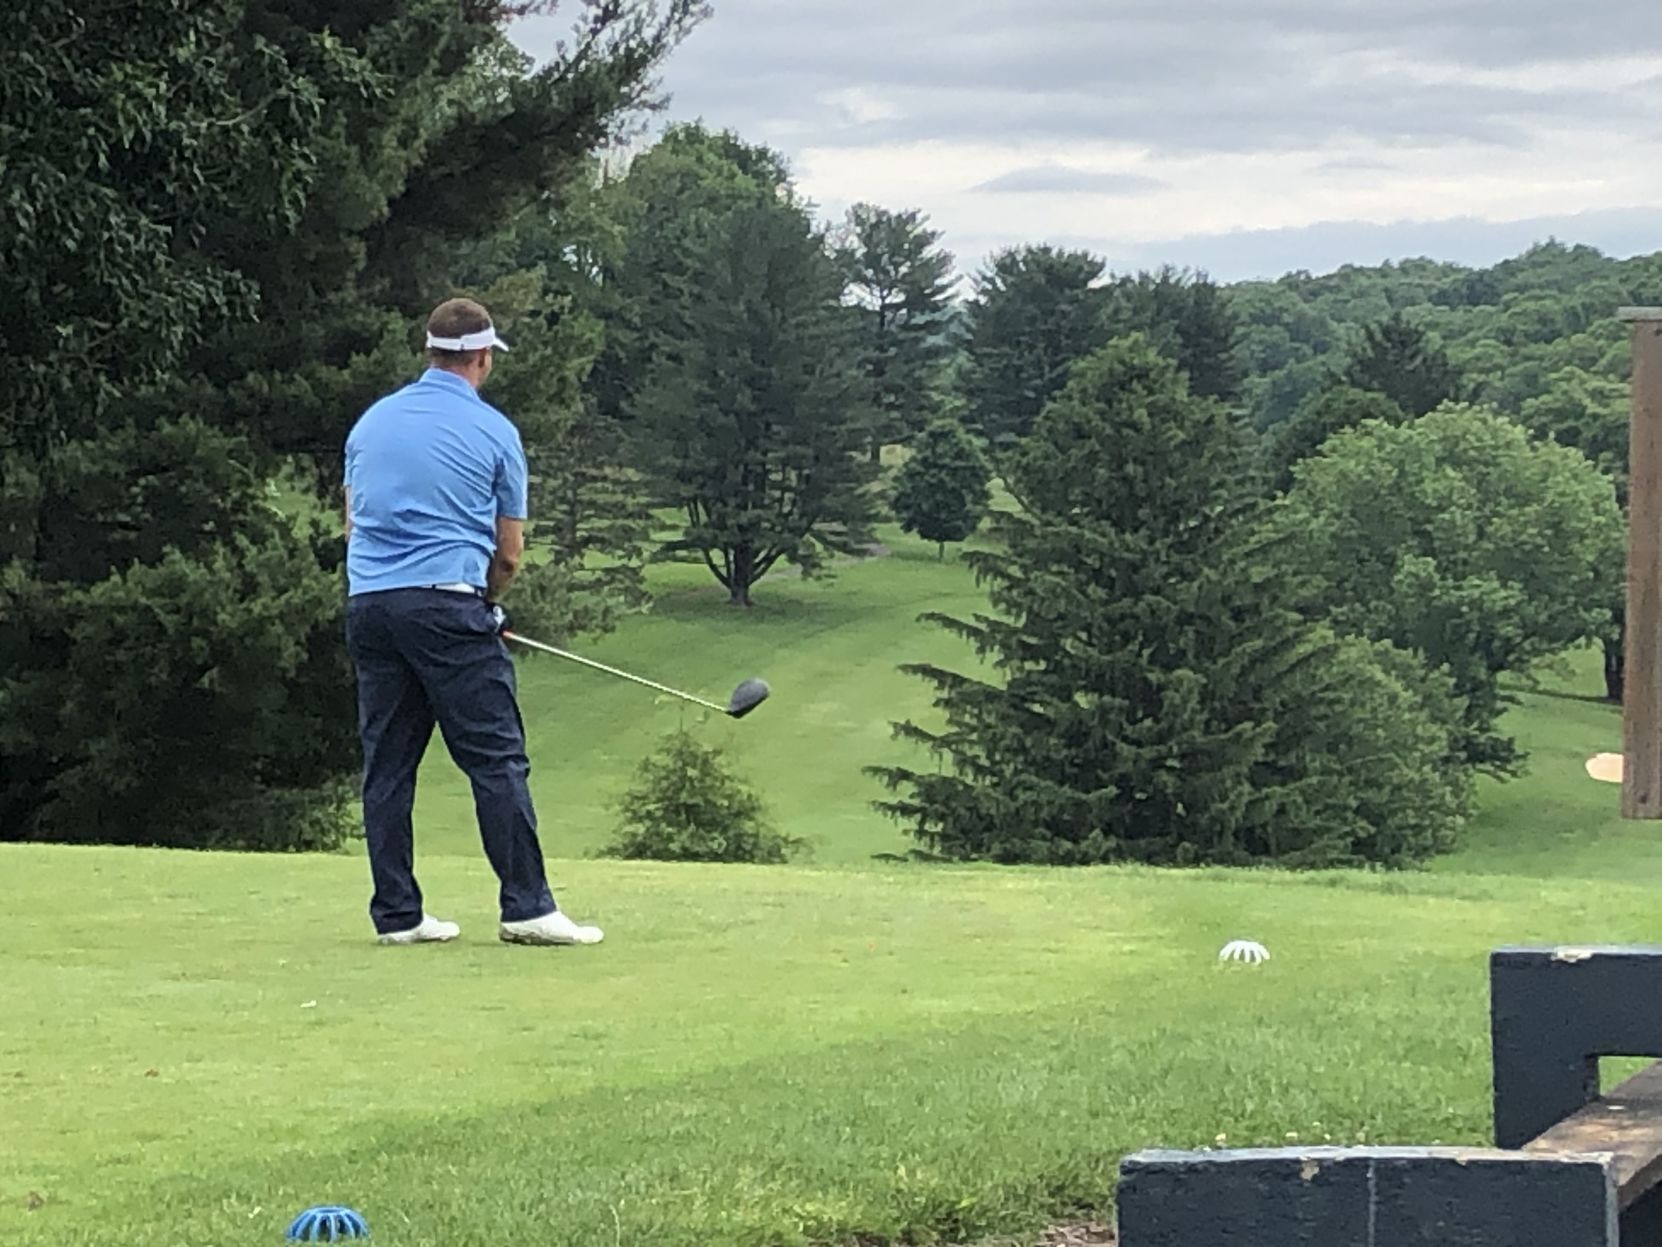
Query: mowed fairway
[(193, 1047), (1554, 822), (830, 649)]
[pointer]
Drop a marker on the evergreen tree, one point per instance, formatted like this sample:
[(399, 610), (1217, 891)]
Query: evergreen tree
[(162, 632), (751, 412), (1036, 311), (1159, 699), (1187, 316), (445, 135), (126, 150), (224, 220), (900, 279), (595, 527), (1398, 359), (687, 805), (652, 231), (941, 492)]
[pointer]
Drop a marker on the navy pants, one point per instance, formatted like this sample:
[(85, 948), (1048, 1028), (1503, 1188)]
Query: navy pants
[(427, 656)]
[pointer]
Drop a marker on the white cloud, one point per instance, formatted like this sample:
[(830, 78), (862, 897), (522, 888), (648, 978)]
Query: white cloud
[(1056, 179), (861, 106), (1118, 124)]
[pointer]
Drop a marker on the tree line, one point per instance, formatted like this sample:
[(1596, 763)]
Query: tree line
[(1273, 551)]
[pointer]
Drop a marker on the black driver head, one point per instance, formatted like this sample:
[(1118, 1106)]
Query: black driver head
[(747, 697)]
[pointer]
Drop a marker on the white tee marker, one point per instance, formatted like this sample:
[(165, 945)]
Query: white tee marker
[(1244, 950)]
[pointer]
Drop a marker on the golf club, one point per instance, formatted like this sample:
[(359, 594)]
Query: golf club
[(746, 697)]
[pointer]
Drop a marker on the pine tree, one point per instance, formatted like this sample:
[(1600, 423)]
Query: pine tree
[(127, 150), (650, 235), (1398, 359), (164, 634), (687, 805), (941, 492), (442, 134), (751, 413), (900, 279), (226, 219), (595, 526), (1158, 698), (1188, 318), (1036, 311)]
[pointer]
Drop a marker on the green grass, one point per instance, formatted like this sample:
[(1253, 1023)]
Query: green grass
[(830, 649), (193, 1047), (757, 1055), (1554, 822)]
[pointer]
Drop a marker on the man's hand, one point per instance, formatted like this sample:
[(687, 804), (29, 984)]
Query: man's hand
[(499, 617)]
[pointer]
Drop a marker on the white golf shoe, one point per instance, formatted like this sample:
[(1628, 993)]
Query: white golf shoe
[(550, 929), (431, 931)]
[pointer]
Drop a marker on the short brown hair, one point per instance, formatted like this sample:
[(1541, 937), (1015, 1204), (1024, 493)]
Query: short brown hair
[(455, 318)]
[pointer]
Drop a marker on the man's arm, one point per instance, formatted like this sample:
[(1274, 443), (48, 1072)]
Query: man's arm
[(510, 553), (347, 516), (513, 504)]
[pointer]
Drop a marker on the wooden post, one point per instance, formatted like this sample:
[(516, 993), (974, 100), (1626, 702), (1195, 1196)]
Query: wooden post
[(1642, 698)]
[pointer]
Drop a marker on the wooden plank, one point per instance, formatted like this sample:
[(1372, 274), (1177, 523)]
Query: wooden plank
[(1642, 698), (1626, 1124)]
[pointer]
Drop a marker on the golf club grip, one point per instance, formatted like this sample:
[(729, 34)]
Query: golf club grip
[(600, 666)]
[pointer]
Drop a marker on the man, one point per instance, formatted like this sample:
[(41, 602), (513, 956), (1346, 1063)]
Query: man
[(435, 518)]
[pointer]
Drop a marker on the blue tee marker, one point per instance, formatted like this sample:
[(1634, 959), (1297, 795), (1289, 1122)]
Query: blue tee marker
[(327, 1223)]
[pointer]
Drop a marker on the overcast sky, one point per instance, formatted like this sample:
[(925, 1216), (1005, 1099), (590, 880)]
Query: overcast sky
[(1249, 137)]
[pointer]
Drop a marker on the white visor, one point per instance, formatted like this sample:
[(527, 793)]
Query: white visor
[(485, 339)]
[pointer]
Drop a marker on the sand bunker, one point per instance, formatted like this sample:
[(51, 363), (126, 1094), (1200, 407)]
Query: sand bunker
[(1605, 767)]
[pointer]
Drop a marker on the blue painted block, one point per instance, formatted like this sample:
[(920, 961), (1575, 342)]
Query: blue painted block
[(1366, 1197), (1554, 1012)]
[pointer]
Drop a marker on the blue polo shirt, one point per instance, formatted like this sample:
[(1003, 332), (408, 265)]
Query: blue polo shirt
[(430, 467)]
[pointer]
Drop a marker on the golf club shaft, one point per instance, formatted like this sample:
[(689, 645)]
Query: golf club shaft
[(599, 666)]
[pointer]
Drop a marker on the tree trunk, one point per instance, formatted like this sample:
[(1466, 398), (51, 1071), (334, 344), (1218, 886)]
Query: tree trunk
[(940, 551), (743, 563), (1615, 669)]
